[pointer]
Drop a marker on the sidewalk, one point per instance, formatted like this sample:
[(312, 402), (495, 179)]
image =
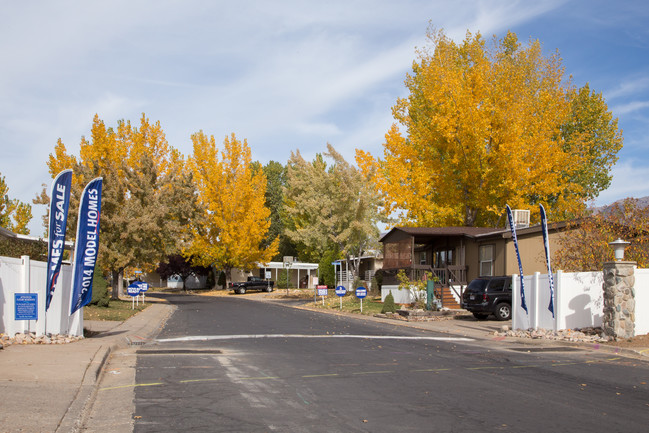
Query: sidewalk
[(45, 388)]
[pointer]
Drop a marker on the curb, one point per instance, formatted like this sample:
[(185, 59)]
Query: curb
[(71, 421), (76, 414), (615, 350)]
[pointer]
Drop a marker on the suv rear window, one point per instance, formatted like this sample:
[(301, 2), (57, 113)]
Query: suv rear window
[(497, 285), (476, 286)]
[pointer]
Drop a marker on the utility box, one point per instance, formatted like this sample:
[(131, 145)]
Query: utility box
[(432, 303)]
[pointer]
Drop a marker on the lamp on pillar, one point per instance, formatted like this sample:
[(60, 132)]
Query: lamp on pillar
[(618, 246)]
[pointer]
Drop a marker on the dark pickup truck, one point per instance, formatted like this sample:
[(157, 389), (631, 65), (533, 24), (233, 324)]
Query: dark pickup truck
[(253, 283)]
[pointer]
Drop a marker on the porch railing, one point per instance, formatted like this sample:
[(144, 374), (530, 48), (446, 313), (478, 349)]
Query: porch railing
[(450, 275)]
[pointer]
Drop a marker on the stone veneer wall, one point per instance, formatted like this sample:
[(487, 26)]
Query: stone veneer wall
[(619, 299)]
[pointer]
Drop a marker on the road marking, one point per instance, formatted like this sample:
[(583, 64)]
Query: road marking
[(199, 380), (259, 378), (309, 376), (253, 336), (132, 386), (430, 370), (485, 368)]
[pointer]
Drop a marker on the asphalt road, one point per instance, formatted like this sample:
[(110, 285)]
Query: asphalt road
[(235, 365)]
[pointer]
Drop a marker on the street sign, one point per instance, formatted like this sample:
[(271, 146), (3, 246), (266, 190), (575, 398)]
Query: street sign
[(269, 275), (26, 306), (143, 286), (341, 291)]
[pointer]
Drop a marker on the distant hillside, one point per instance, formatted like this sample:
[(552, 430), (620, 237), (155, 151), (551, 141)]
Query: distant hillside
[(643, 202)]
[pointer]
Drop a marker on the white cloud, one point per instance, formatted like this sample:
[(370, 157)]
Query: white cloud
[(629, 107), (629, 87), (285, 75), (629, 180)]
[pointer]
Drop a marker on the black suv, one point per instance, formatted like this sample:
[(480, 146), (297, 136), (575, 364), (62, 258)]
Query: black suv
[(489, 295)]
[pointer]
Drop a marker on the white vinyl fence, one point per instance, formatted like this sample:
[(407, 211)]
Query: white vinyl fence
[(578, 301), (402, 296), (21, 276), (641, 301)]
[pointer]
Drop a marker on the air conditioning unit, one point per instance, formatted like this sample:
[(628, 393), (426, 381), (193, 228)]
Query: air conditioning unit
[(521, 218)]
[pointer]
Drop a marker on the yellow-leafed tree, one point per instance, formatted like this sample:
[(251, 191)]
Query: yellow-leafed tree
[(230, 233), (147, 196), (484, 127), (14, 214)]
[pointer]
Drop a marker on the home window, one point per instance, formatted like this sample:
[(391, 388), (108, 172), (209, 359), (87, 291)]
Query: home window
[(422, 258), (443, 258), (486, 260)]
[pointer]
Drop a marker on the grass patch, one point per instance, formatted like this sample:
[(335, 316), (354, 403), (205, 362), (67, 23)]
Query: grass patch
[(351, 304), (117, 310)]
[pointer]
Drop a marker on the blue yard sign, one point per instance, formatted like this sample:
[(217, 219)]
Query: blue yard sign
[(26, 306), (361, 292), (341, 291), (134, 289)]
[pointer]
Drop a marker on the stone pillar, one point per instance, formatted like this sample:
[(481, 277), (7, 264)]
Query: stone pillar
[(619, 300)]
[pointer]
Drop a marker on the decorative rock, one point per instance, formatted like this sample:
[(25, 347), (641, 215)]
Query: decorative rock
[(585, 335), (31, 338)]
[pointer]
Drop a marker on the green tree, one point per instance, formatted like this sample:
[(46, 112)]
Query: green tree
[(591, 134), (275, 174), (487, 126), (331, 207), (326, 271)]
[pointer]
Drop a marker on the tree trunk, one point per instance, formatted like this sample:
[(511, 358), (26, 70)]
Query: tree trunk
[(115, 283), (228, 276)]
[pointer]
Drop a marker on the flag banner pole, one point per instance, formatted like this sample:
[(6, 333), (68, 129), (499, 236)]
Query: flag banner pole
[(510, 218), (59, 204), (86, 245), (546, 245)]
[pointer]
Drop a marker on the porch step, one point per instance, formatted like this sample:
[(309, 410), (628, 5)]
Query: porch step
[(448, 300)]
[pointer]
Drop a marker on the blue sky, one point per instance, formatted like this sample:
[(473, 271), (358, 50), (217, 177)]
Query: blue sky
[(285, 75)]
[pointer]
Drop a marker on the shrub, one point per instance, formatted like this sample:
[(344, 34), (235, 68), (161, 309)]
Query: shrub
[(222, 280), (388, 304), (100, 291), (282, 279)]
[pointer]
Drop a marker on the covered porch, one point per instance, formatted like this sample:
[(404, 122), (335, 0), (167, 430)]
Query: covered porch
[(444, 252)]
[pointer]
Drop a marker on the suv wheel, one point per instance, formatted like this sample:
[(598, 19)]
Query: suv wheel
[(242, 290), (503, 311)]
